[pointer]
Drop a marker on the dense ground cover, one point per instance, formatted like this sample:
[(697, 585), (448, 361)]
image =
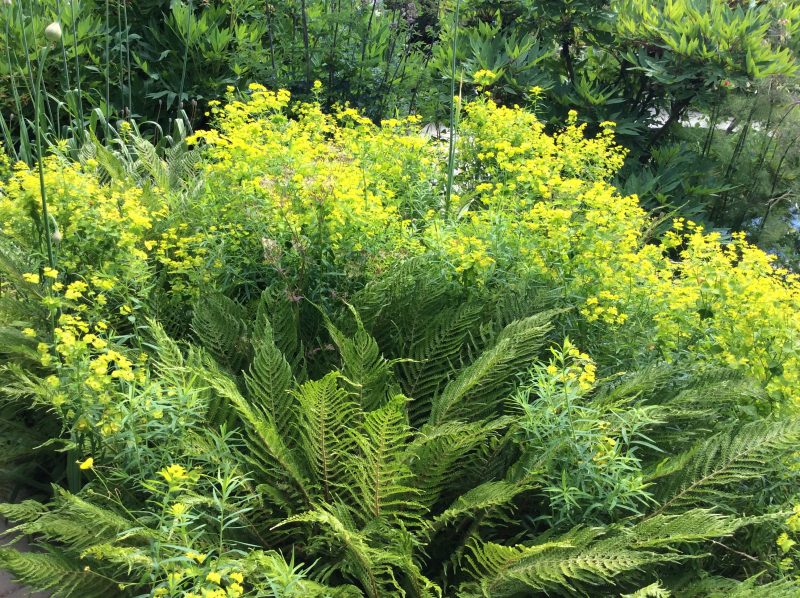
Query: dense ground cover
[(280, 359), (653, 67)]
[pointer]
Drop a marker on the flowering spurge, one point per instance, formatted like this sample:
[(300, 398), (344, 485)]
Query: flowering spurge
[(420, 426)]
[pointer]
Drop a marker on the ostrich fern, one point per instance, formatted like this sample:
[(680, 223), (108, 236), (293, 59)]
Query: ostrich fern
[(406, 474)]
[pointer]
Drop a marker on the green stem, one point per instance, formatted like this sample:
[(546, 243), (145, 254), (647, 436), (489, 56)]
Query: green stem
[(451, 155), (128, 57), (185, 56), (63, 47), (24, 143), (108, 73), (45, 214), (79, 101)]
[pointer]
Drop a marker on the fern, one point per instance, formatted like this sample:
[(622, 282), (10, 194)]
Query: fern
[(54, 572), (327, 413), (487, 496), (25, 512), (274, 462), (711, 586), (384, 482), (374, 568), (441, 455), (364, 367), (481, 385), (287, 579), (148, 162), (591, 556), (435, 358), (220, 325), (716, 471), (654, 590), (69, 519), (506, 570), (694, 525), (283, 314), (117, 165), (270, 378), (401, 307)]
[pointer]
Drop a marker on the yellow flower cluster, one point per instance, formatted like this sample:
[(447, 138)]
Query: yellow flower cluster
[(98, 223), (570, 366), (469, 254), (317, 180), (89, 368), (542, 206), (606, 450), (602, 308), (221, 583), (484, 77), (174, 474), (287, 184)]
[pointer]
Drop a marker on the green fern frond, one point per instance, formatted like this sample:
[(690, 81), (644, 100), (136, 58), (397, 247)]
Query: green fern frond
[(505, 570), (400, 307), (327, 413), (116, 167), (712, 586), (182, 165), (643, 383), (480, 387), (362, 562), (654, 590), (692, 526), (378, 570), (287, 579), (436, 358), (440, 455), (23, 384), (279, 469), (26, 511), (15, 345), (220, 326), (70, 520), (593, 556), (180, 371), (509, 571), (487, 496), (363, 365), (150, 163), (384, 482), (276, 307), (716, 471), (270, 378), (169, 363), (54, 572)]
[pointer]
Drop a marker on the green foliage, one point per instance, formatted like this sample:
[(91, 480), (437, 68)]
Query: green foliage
[(392, 507), (52, 571), (292, 376), (711, 471)]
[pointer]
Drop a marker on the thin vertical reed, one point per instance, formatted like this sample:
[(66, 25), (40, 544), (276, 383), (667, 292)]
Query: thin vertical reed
[(80, 126), (451, 156)]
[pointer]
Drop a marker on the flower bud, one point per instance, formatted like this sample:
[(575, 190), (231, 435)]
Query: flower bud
[(53, 32), (57, 236), (7, 2)]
